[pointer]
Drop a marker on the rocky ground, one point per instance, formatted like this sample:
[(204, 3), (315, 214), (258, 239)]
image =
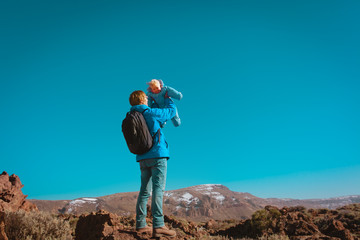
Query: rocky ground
[(295, 223)]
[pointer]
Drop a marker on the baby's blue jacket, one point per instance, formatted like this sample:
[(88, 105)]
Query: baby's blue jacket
[(160, 97), (154, 117)]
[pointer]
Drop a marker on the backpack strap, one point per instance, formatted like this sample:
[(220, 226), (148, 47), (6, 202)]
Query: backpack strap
[(155, 101), (159, 134), (158, 131)]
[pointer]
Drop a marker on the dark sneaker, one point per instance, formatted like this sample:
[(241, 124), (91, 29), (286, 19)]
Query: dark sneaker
[(163, 232), (144, 230)]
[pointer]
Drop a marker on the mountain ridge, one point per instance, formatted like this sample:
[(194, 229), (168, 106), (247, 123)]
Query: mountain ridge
[(196, 203)]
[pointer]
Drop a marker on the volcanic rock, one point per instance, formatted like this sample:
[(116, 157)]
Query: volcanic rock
[(103, 225), (11, 196), (188, 228), (2, 227), (298, 223), (99, 225), (335, 228)]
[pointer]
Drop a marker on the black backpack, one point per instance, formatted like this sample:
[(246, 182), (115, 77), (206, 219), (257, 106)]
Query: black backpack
[(136, 133)]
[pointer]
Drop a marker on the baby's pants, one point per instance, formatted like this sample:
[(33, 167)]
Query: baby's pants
[(176, 120)]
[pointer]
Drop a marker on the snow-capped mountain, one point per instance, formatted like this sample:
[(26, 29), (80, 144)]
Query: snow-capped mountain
[(198, 203)]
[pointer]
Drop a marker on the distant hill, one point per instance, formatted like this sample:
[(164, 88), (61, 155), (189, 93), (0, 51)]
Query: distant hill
[(196, 203)]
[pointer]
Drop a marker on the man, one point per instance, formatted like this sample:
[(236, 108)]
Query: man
[(153, 165)]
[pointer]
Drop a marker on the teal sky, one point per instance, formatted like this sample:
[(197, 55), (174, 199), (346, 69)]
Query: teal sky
[(270, 107)]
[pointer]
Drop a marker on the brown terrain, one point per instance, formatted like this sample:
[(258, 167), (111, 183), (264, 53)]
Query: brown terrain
[(217, 214), (197, 203), (295, 223)]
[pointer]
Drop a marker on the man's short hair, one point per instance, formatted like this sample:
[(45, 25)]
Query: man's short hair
[(137, 97)]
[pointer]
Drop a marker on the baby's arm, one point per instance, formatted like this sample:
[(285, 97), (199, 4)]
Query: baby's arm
[(173, 93)]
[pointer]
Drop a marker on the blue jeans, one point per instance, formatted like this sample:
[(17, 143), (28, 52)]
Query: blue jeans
[(153, 174)]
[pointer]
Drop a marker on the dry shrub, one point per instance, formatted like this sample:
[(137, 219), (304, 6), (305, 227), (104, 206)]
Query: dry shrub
[(36, 225), (262, 219)]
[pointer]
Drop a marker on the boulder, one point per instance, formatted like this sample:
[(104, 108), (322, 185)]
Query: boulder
[(336, 229), (11, 196), (103, 225), (97, 225)]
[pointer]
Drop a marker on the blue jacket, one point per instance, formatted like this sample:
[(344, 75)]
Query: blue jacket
[(154, 117), (159, 97)]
